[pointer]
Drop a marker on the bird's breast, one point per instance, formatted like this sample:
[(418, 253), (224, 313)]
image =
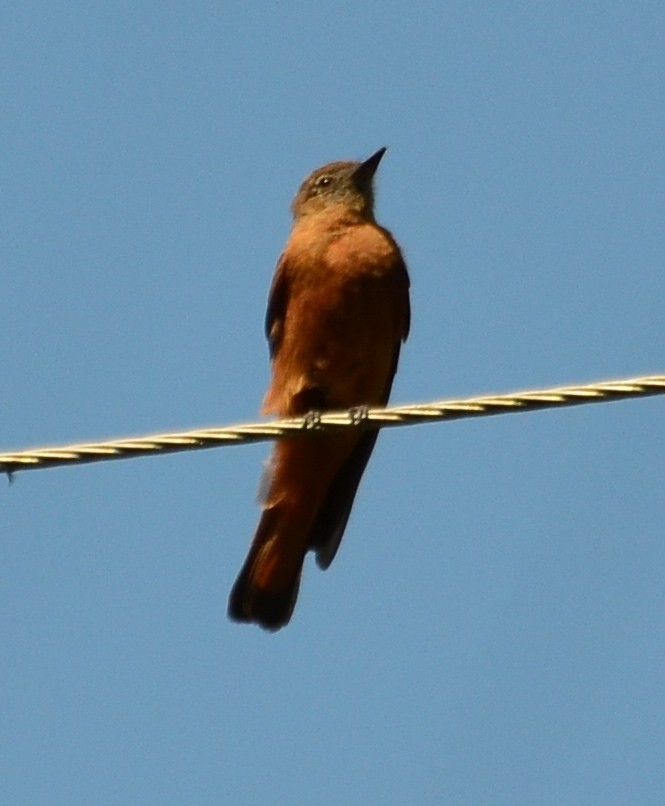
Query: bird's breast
[(341, 327)]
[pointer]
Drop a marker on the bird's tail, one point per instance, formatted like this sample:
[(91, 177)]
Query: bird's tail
[(311, 488), (266, 589)]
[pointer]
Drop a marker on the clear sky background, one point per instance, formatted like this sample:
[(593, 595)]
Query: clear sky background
[(492, 630)]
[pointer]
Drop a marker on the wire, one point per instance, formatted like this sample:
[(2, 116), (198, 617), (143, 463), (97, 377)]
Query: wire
[(328, 422)]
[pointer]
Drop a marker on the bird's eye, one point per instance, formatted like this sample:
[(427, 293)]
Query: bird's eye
[(323, 181)]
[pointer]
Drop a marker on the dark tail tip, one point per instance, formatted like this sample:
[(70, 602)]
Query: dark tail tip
[(270, 610)]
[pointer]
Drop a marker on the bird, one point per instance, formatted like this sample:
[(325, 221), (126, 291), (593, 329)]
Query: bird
[(338, 312)]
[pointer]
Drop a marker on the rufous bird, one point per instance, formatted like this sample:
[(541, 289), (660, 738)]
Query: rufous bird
[(338, 312)]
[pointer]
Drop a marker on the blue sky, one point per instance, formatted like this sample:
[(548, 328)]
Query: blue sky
[(491, 631)]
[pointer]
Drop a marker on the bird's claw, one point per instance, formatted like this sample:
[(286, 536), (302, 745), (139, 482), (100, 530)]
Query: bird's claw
[(359, 414), (312, 420)]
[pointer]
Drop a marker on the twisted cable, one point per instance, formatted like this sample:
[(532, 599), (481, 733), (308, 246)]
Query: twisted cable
[(328, 422)]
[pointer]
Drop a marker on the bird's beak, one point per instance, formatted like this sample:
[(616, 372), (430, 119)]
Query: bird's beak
[(366, 170)]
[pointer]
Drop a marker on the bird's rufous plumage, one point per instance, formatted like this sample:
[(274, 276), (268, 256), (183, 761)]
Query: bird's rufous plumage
[(337, 314)]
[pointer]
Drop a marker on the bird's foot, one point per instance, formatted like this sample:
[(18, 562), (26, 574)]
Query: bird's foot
[(312, 420), (359, 414)]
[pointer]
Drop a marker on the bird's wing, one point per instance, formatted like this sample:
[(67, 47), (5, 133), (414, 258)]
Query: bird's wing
[(277, 303)]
